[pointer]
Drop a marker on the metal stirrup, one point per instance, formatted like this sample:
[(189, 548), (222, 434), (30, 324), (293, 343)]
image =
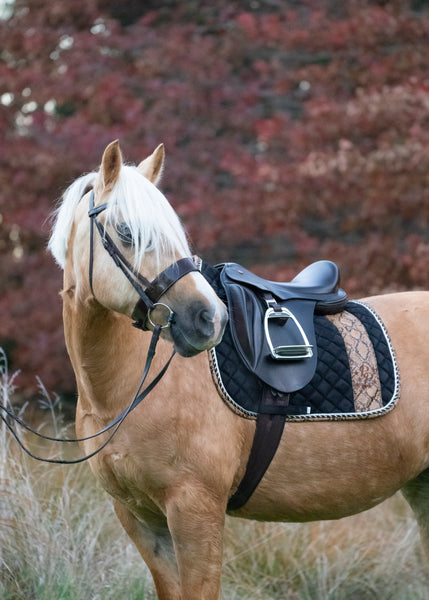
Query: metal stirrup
[(286, 352)]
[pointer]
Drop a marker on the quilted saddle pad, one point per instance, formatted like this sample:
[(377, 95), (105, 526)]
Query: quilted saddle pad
[(356, 375)]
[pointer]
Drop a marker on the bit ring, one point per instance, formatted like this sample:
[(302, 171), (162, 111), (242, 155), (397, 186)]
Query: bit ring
[(168, 319)]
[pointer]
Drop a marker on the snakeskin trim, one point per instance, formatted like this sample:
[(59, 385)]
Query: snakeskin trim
[(362, 362)]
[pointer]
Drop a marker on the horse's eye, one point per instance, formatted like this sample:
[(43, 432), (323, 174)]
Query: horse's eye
[(124, 234)]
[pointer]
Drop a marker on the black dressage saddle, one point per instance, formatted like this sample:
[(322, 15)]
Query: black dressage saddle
[(272, 323), (272, 329)]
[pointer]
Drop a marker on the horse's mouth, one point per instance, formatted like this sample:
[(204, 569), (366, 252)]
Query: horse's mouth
[(186, 347)]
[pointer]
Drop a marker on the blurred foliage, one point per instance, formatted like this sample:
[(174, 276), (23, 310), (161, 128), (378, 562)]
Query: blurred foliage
[(294, 131)]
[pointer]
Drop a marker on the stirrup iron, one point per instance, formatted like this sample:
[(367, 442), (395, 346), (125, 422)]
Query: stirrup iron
[(288, 352)]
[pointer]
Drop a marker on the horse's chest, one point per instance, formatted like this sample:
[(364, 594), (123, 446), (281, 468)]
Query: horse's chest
[(115, 472), (125, 479)]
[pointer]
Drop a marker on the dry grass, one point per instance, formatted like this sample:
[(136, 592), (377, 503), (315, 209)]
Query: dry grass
[(374, 555), (59, 536), (60, 540)]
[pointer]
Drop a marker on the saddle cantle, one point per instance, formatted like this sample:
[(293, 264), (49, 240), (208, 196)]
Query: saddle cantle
[(271, 322)]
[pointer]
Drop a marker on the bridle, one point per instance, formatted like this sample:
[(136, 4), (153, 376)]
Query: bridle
[(150, 293)]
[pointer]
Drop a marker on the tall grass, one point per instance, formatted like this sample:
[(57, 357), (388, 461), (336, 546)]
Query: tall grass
[(59, 536), (372, 556), (60, 540)]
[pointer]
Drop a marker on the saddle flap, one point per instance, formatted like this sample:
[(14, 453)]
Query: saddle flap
[(247, 311)]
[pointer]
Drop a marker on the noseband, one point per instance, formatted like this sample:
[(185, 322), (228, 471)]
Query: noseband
[(150, 292)]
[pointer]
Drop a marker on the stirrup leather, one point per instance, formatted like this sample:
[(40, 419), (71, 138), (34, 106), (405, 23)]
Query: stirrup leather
[(285, 352)]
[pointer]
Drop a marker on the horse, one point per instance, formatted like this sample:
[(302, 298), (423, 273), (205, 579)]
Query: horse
[(179, 457)]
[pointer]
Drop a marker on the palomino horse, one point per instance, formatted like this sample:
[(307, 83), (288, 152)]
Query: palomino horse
[(177, 459)]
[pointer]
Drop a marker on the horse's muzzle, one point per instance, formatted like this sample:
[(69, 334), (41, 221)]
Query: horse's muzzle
[(200, 328)]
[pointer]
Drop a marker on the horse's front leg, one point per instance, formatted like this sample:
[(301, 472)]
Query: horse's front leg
[(155, 545), (196, 520)]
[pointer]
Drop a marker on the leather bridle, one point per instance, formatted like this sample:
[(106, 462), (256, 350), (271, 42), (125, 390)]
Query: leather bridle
[(150, 293)]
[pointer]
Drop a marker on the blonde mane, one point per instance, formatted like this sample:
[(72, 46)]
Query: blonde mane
[(135, 201)]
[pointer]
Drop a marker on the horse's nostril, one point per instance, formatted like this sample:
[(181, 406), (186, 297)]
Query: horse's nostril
[(204, 322)]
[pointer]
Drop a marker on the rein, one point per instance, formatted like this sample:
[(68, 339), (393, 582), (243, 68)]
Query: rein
[(148, 300), (116, 423)]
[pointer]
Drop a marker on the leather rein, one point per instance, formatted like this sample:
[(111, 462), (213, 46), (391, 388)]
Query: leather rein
[(150, 293)]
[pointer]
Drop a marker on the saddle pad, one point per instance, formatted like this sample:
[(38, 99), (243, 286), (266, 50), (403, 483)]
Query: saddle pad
[(356, 375)]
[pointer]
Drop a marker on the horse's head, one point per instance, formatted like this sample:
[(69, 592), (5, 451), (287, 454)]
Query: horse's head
[(117, 215)]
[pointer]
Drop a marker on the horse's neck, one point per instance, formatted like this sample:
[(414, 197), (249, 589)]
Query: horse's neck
[(106, 353)]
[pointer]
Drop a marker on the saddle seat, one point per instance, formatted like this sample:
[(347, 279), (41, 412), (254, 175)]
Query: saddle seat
[(271, 322)]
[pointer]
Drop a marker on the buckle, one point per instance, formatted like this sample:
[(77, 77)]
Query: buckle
[(287, 352)]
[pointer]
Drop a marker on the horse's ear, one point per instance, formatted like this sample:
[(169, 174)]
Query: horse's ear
[(111, 164), (151, 167)]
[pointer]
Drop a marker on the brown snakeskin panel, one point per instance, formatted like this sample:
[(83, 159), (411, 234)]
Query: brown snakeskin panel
[(362, 361)]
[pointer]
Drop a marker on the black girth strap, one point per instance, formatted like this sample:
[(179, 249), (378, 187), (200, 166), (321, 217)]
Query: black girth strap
[(268, 433)]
